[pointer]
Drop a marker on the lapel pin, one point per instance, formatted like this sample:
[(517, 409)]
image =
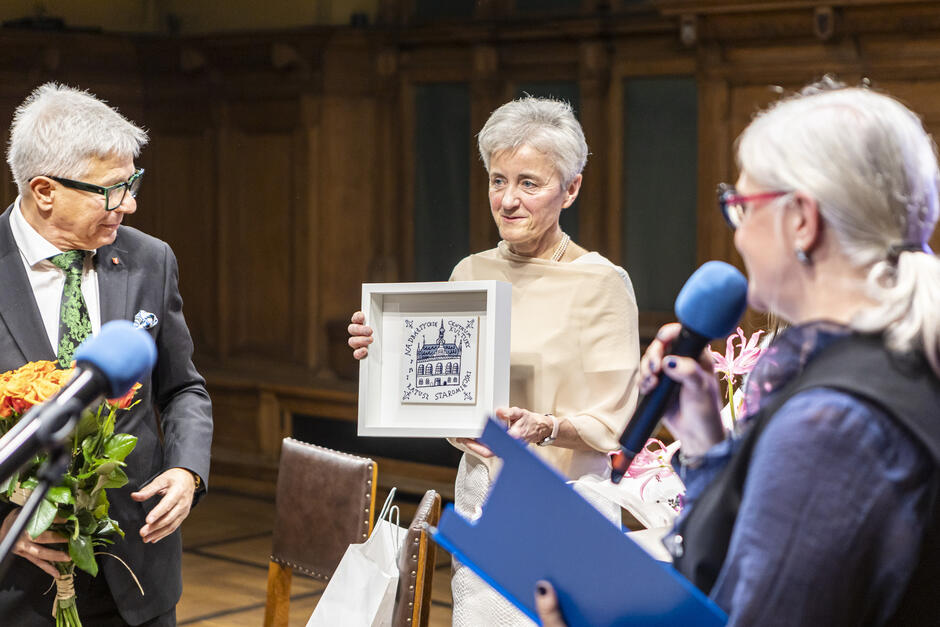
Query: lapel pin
[(115, 260)]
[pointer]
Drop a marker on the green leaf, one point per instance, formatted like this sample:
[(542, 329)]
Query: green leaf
[(117, 478), (73, 521), (101, 505), (83, 554), (42, 518), (84, 501), (107, 527), (87, 425), (100, 467), (61, 495), (87, 522), (8, 485), (91, 447), (29, 483), (70, 481), (119, 446)]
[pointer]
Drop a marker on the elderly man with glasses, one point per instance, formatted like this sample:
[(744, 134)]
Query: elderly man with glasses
[(66, 267)]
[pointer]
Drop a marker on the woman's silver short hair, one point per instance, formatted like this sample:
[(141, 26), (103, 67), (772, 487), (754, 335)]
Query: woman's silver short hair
[(872, 168), (545, 124), (58, 129)]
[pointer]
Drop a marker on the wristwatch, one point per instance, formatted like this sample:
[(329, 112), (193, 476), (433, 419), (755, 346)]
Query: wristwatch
[(554, 434), (197, 480)]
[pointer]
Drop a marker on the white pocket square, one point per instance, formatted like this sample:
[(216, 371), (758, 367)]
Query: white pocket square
[(145, 320)]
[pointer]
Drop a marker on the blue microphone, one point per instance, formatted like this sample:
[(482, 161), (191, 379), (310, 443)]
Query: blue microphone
[(107, 365), (709, 305), (121, 353)]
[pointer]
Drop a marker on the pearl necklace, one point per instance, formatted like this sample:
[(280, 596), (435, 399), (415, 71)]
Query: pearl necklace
[(561, 248)]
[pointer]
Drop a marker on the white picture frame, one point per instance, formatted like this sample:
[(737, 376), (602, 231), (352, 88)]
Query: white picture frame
[(386, 306)]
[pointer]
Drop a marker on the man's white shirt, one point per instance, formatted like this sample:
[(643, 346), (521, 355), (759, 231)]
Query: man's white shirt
[(47, 280)]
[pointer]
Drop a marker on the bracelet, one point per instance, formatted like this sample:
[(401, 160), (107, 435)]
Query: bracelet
[(554, 434)]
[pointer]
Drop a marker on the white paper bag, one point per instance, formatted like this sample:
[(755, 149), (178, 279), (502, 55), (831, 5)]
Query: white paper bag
[(361, 592)]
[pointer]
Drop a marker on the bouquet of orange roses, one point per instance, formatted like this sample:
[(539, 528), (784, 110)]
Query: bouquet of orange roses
[(76, 508)]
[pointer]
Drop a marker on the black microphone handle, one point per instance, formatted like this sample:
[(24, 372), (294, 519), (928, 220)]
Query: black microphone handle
[(653, 405)]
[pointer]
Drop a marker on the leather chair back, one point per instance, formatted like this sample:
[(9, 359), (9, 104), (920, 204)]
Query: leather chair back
[(325, 501), (416, 566)]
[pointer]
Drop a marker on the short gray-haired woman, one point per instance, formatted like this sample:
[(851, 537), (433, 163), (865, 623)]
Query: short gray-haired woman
[(575, 342), (826, 511)]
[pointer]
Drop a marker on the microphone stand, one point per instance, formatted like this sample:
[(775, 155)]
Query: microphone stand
[(16, 449), (50, 473)]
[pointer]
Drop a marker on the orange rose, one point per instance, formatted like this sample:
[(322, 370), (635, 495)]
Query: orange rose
[(31, 384), (125, 401)]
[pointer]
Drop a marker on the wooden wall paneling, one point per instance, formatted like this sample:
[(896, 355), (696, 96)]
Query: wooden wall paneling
[(551, 60), (902, 57), (8, 103), (439, 63), (487, 93), (653, 52), (347, 232), (260, 251), (260, 258), (300, 322), (347, 236), (308, 211), (593, 84), (612, 176), (715, 165), (407, 156), (177, 204), (384, 266), (237, 426), (224, 194), (274, 425)]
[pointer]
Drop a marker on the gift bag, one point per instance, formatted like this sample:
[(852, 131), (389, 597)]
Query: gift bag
[(650, 490), (361, 592)]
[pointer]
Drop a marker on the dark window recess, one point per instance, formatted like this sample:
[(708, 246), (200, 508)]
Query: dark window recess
[(659, 192), (341, 435), (569, 92), (442, 179), (548, 6), (431, 10)]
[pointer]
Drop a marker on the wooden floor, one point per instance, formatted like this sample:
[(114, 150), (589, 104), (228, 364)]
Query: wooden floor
[(226, 545)]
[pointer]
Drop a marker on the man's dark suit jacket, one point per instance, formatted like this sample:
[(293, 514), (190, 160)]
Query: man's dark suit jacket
[(137, 272)]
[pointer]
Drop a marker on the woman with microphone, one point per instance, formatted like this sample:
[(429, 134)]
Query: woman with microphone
[(824, 510)]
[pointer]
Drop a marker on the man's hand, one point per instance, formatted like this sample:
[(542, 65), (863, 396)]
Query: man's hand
[(34, 549), (176, 487)]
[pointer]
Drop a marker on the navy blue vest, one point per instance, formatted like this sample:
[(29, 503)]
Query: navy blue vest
[(903, 387)]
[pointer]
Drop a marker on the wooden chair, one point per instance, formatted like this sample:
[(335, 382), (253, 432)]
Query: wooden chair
[(325, 501), (416, 566)]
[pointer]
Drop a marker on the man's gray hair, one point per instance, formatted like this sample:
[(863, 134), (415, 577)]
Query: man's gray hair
[(58, 129), (871, 166), (545, 124)]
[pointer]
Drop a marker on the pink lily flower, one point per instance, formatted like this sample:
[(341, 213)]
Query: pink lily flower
[(730, 365)]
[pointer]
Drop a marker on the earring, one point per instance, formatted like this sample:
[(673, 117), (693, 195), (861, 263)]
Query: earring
[(802, 257)]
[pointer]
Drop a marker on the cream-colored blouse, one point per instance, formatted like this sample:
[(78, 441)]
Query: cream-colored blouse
[(574, 347)]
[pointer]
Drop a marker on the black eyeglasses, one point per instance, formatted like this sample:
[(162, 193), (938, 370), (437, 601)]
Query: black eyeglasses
[(732, 204), (113, 194)]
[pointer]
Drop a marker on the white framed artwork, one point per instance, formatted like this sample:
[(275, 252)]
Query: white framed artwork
[(439, 360)]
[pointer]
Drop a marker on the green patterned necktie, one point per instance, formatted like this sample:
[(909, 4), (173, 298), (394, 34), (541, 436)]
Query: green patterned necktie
[(74, 322)]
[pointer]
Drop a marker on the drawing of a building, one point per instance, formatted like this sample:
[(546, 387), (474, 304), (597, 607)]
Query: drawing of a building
[(438, 364)]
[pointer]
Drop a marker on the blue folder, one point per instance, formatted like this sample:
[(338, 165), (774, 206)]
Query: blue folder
[(535, 526)]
